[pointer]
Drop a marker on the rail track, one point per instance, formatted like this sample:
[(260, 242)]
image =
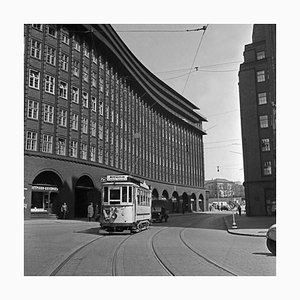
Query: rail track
[(160, 257)]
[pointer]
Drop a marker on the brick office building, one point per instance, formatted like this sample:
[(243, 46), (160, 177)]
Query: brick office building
[(257, 87), (92, 109)]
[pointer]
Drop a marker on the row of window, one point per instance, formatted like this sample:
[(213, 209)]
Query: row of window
[(48, 117), (47, 146), (36, 50), (34, 82)]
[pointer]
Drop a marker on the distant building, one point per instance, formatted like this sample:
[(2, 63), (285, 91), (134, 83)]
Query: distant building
[(223, 187), (91, 108), (257, 88)]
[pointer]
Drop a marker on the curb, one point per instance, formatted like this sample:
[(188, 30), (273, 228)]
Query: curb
[(244, 233)]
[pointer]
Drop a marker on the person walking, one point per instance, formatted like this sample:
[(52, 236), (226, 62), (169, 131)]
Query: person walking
[(239, 209), (64, 210), (90, 211)]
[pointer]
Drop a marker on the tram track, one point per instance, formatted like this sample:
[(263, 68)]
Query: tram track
[(208, 260), (114, 261), (114, 270), (202, 258), (62, 264), (156, 255)]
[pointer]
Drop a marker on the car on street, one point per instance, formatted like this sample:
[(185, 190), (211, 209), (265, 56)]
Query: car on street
[(271, 239)]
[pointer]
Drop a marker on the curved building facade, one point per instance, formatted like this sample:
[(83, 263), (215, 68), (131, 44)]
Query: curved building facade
[(92, 109)]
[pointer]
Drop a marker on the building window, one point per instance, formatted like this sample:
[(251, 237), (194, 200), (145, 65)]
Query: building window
[(263, 121), (63, 90), (73, 149), (62, 118), (33, 110), (101, 132), (86, 50), (100, 155), (31, 140), (74, 121), (265, 145), (106, 135), (101, 84), (75, 68), (35, 50), (101, 108), (85, 99), (61, 146), (262, 98), (85, 73), (93, 153), (65, 62), (76, 45), (94, 58), (47, 143), (94, 79), (48, 113), (93, 128), (84, 125), (50, 55), (267, 168), (75, 94), (260, 55), (34, 79), (94, 104), (65, 37), (83, 152), (49, 84), (260, 76), (37, 26), (52, 30)]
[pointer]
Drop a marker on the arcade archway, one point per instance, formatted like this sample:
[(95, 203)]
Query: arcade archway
[(155, 194), (175, 202), (45, 193), (84, 194), (201, 202), (185, 200), (193, 202)]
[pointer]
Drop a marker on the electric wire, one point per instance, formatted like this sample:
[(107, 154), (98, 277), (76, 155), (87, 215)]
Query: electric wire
[(159, 30), (200, 67), (204, 30)]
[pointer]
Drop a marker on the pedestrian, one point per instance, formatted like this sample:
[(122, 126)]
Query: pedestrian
[(239, 209), (97, 213), (64, 210), (90, 210)]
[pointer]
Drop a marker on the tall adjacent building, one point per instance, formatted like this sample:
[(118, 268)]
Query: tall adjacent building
[(91, 108), (257, 88)]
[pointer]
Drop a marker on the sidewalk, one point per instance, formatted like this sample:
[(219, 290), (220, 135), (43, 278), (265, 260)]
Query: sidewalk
[(249, 226)]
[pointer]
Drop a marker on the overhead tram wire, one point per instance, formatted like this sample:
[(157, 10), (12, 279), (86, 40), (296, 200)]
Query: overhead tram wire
[(204, 29), (160, 30), (199, 67)]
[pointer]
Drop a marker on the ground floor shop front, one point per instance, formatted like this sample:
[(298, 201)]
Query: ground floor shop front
[(260, 198), (50, 184)]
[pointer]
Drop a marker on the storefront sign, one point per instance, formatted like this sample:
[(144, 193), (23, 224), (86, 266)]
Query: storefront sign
[(44, 188)]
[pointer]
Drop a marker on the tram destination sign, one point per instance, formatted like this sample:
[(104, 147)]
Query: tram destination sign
[(44, 188), (117, 177)]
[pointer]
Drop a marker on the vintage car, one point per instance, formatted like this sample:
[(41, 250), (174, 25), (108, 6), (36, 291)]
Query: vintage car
[(271, 239), (159, 211)]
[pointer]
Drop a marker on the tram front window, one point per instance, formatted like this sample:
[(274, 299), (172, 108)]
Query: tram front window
[(115, 194), (124, 194), (105, 198)]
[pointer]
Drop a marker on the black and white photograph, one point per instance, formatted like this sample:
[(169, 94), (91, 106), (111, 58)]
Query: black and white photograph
[(170, 172), (149, 153)]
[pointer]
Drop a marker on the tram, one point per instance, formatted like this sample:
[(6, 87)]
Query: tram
[(126, 204)]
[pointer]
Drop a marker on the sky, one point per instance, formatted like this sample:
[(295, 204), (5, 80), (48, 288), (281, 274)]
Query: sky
[(170, 52)]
